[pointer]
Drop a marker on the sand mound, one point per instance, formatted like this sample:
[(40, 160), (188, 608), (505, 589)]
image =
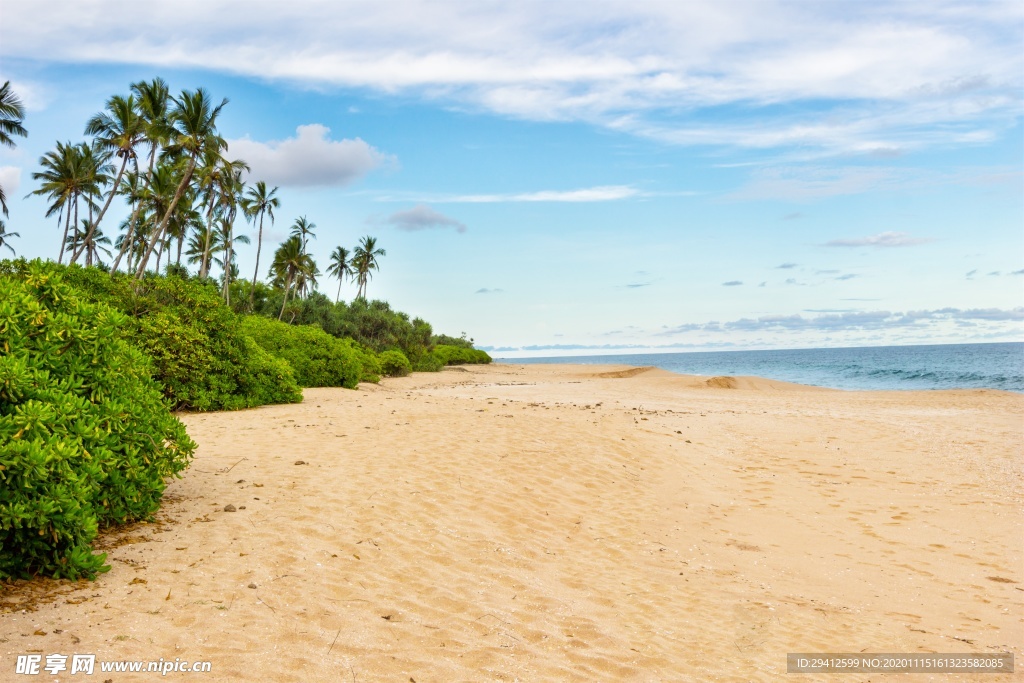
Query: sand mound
[(622, 374), (722, 383)]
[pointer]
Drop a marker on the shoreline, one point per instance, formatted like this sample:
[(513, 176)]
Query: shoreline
[(859, 368), (559, 522)]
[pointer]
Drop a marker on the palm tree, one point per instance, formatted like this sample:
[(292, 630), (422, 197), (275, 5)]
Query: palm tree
[(289, 261), (92, 172), (153, 101), (202, 245), (364, 260), (12, 113), (257, 202), (118, 130), (4, 236), (59, 183), (303, 229), (340, 268), (70, 172), (194, 125), (90, 240)]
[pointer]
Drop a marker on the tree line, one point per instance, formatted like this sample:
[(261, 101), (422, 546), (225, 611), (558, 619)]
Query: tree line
[(163, 156)]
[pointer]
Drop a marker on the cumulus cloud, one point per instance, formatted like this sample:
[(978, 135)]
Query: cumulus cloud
[(732, 283), (10, 179), (847, 276), (485, 290), (787, 266), (310, 159), (882, 239), (422, 217)]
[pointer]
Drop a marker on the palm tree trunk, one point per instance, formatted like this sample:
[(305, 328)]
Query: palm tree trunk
[(227, 265), (128, 238), (110, 198), (64, 240), (255, 273), (158, 232), (287, 286), (338, 297)]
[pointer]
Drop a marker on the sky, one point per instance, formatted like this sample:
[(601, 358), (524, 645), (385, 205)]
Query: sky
[(594, 177)]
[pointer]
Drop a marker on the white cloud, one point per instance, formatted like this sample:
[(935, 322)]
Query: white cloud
[(10, 180), (883, 76), (882, 239), (310, 159), (600, 193), (422, 217)]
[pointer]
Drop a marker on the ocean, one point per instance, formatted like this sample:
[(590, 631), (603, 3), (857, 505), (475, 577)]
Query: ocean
[(945, 366)]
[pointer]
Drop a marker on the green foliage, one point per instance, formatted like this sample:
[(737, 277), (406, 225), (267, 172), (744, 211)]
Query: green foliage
[(372, 324), (200, 355), (460, 355), (429, 362), (85, 437), (317, 358), (394, 364), (445, 340)]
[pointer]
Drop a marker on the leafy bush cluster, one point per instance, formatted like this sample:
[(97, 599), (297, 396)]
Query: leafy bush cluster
[(394, 364), (317, 358), (374, 325), (200, 353), (460, 355), (85, 436)]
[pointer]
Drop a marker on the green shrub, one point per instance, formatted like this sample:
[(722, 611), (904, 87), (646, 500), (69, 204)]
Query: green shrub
[(317, 358), (200, 355), (460, 355), (85, 437), (429, 362), (394, 364)]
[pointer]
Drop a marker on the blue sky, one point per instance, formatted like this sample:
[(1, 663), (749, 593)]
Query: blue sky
[(602, 176)]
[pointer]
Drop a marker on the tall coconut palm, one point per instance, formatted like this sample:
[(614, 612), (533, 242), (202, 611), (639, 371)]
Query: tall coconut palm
[(364, 260), (12, 113), (153, 101), (340, 268), (289, 261), (194, 124), (70, 173), (92, 172), (58, 182), (303, 229), (118, 130), (259, 202), (232, 191)]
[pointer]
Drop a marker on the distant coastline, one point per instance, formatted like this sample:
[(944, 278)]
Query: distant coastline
[(933, 366)]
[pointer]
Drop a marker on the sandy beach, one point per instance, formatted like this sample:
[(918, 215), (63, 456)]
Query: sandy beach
[(557, 522)]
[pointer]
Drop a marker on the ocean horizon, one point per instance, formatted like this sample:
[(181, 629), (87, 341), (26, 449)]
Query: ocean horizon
[(933, 366)]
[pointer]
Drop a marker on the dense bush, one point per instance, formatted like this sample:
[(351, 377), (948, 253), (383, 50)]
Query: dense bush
[(429, 362), (445, 340), (318, 359), (85, 437), (201, 356), (372, 324), (394, 364), (459, 355)]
